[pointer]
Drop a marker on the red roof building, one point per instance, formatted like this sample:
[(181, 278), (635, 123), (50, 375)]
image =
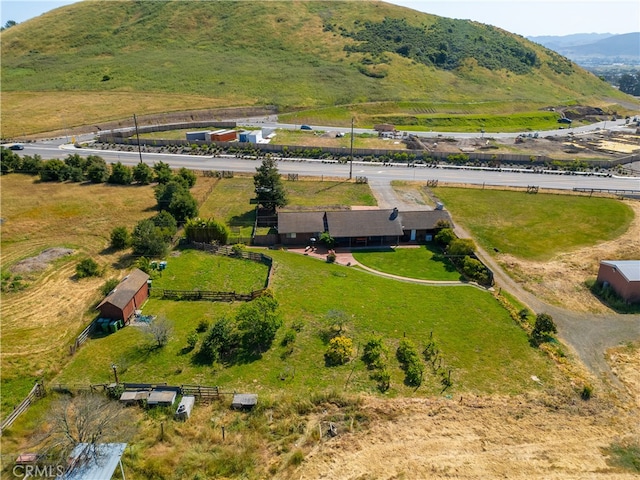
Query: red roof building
[(126, 298)]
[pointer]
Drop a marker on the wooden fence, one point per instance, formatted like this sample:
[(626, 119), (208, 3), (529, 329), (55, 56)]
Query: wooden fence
[(36, 392), (80, 339), (201, 392), (195, 295)]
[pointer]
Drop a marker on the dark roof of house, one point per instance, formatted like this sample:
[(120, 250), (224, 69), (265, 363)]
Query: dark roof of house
[(423, 220), (126, 289), (629, 269), (364, 223), (301, 222)]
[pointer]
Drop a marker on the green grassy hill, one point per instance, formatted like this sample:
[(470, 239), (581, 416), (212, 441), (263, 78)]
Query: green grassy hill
[(101, 57)]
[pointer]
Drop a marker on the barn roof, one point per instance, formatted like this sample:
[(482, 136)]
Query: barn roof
[(629, 269), (126, 289)]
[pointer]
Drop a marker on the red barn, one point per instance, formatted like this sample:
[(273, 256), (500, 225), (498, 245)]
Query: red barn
[(126, 298), (623, 276)]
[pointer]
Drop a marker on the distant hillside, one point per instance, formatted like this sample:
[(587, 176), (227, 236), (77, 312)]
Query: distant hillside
[(555, 42), (587, 49), (292, 54)]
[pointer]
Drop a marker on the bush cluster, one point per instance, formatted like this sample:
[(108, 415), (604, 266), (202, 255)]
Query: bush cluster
[(407, 355), (340, 351), (375, 356)]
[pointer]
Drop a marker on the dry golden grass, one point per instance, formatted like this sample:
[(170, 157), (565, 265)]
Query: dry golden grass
[(28, 113), (39, 322)]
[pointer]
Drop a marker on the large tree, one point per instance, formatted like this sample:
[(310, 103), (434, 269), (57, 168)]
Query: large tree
[(269, 188), (148, 239)]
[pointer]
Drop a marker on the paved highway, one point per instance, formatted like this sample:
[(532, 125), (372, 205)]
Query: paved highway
[(376, 172)]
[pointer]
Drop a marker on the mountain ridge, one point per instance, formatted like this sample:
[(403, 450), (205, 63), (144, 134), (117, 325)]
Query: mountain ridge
[(293, 54)]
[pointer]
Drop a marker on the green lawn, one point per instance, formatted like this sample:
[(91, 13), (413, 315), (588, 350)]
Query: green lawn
[(425, 262), (486, 351), (196, 270), (535, 227)]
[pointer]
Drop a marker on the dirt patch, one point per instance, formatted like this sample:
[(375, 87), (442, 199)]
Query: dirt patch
[(535, 436), (40, 262), (625, 364)]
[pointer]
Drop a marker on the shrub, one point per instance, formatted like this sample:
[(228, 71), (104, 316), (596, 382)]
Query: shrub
[(413, 374), (339, 352), (203, 326), (461, 247), (475, 270), (543, 328), (331, 256), (192, 339), (120, 238), (289, 337), (87, 268), (327, 240), (407, 352), (142, 174), (238, 249), (445, 236), (383, 377), (120, 174), (375, 353), (108, 286), (587, 392)]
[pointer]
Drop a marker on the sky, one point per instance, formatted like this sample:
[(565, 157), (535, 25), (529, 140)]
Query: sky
[(524, 17)]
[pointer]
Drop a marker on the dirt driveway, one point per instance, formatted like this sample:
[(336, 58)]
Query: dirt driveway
[(588, 334)]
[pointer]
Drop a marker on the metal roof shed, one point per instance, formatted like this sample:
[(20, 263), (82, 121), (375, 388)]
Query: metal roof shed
[(95, 462), (163, 398), (244, 401)]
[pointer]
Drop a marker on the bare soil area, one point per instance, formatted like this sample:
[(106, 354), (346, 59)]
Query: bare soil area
[(41, 261), (538, 436)]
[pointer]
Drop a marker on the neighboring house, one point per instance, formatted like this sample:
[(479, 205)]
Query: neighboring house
[(360, 228), (126, 298), (623, 276)]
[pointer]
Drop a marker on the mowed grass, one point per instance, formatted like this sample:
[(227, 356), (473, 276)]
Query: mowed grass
[(425, 262), (535, 227), (479, 342), (195, 270)]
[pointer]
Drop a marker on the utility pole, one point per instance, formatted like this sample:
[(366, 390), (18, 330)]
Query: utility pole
[(135, 122), (115, 371), (351, 161)]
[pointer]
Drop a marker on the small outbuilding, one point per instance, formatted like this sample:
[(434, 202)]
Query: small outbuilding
[(184, 407), (224, 136), (161, 398), (623, 276), (244, 401), (132, 397), (128, 296)]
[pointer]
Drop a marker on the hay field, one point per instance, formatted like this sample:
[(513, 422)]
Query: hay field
[(40, 322)]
